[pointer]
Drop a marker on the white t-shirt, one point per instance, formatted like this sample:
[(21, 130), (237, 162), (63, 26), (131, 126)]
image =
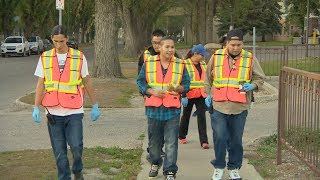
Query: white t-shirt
[(58, 110)]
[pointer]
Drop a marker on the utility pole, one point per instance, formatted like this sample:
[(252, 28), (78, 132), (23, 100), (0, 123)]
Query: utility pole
[(60, 7), (307, 30)]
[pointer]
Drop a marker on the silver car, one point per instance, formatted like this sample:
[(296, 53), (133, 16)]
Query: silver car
[(15, 45)]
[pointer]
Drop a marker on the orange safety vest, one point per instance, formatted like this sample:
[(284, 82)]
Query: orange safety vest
[(226, 81), (63, 88), (156, 80), (196, 82)]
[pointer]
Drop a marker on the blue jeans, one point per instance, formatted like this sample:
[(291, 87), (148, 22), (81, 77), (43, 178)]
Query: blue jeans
[(228, 131), (67, 130), (169, 130)]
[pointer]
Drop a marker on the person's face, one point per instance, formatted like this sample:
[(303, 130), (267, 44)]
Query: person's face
[(234, 47), (60, 42), (167, 49), (155, 41), (197, 57)]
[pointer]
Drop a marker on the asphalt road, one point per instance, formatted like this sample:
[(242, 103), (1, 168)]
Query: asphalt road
[(17, 79)]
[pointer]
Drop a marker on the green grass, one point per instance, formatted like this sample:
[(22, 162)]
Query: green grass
[(127, 59), (182, 46), (266, 152), (113, 163), (271, 43), (272, 67)]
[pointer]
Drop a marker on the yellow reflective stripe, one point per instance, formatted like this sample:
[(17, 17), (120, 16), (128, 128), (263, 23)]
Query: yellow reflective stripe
[(177, 75), (75, 62), (47, 65), (190, 69), (151, 68), (219, 57), (244, 65), (62, 87)]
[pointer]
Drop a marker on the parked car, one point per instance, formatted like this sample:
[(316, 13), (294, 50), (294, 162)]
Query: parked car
[(36, 44), (72, 42), (47, 44), (15, 45)]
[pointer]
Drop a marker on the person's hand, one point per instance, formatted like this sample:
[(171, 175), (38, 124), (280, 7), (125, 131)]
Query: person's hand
[(248, 87), (95, 113), (170, 88), (36, 115), (159, 93), (208, 101), (184, 102)]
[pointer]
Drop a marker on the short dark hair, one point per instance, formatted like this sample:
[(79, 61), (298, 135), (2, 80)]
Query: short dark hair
[(235, 34), (158, 32), (59, 29), (164, 38)]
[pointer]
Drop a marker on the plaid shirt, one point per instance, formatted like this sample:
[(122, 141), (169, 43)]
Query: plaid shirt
[(161, 113)]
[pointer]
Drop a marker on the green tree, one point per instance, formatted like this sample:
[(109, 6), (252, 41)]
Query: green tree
[(297, 10), (34, 14), (139, 17), (7, 16), (265, 16)]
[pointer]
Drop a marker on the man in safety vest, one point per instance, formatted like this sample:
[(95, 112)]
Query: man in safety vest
[(152, 51), (162, 79), (63, 76), (232, 74)]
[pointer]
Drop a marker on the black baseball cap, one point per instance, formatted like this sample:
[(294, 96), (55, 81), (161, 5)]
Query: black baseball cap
[(235, 34)]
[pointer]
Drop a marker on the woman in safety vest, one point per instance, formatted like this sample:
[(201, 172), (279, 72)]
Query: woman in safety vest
[(62, 77), (196, 69), (162, 79), (231, 76)]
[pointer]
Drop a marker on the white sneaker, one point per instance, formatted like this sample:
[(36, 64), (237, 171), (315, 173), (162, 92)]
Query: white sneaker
[(217, 174), (234, 174)]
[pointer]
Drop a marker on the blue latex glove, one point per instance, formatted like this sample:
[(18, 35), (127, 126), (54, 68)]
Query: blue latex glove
[(36, 115), (208, 101), (184, 102), (248, 87), (95, 113)]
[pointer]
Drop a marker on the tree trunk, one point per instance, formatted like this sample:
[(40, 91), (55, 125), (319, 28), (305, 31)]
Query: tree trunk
[(201, 21), (209, 35), (106, 62), (135, 32)]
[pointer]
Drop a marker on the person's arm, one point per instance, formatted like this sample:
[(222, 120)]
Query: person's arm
[(208, 77), (89, 88), (142, 81), (140, 62), (258, 75), (39, 92)]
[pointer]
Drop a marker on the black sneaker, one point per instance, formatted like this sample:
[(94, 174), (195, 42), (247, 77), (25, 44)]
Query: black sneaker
[(78, 176), (170, 176), (154, 171)]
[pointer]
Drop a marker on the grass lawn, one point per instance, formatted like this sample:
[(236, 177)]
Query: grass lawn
[(107, 163)]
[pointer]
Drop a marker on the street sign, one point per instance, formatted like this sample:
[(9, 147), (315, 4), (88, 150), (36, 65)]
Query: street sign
[(60, 4)]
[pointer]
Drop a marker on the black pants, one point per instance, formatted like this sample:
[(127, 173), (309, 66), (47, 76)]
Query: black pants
[(201, 118)]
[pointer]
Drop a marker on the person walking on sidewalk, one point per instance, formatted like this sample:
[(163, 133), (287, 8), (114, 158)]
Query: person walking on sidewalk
[(162, 79), (63, 75), (196, 68), (233, 73)]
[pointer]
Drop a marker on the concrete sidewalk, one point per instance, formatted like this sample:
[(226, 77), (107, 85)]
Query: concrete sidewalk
[(194, 162)]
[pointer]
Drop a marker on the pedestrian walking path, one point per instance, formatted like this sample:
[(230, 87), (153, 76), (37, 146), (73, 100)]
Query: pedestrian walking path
[(194, 162)]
